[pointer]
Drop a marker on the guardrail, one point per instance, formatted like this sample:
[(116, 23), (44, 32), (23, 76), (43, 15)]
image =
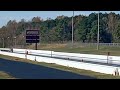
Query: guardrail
[(5, 49), (75, 56)]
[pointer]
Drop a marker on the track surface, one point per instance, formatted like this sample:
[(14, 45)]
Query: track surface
[(24, 70)]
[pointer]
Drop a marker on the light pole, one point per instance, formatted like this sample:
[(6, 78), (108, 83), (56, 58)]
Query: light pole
[(15, 41), (72, 28), (23, 42), (3, 42), (8, 41), (98, 33)]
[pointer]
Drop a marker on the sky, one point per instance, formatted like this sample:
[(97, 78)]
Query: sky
[(5, 16)]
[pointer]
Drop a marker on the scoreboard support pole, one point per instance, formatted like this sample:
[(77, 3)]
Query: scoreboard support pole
[(36, 44)]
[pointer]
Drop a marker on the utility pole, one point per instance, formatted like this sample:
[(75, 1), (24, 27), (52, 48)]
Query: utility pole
[(3, 42), (8, 42), (98, 33), (72, 28), (15, 42), (36, 43), (23, 42)]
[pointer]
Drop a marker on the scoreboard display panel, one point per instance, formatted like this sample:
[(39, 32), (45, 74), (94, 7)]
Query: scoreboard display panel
[(32, 36)]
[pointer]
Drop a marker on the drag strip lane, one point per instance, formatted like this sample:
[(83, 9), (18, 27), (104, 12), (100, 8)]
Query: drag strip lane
[(30, 71)]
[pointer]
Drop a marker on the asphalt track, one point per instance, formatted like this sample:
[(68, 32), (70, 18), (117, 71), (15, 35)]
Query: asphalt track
[(24, 70)]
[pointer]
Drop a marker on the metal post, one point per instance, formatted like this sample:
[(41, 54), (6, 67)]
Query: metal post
[(15, 42), (36, 44), (3, 42), (108, 57), (98, 33), (23, 43), (51, 53), (8, 41), (72, 28)]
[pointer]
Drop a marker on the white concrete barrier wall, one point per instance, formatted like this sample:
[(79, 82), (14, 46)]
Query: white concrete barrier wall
[(79, 65), (77, 56), (35, 52)]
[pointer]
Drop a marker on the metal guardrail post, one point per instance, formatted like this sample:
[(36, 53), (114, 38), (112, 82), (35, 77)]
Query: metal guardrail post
[(108, 57), (51, 53)]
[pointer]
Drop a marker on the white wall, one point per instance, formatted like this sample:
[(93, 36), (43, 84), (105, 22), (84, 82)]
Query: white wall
[(77, 56)]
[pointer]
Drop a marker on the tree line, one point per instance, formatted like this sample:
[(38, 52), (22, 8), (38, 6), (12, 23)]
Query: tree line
[(60, 29)]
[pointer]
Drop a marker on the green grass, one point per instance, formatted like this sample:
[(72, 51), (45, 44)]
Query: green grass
[(103, 50), (70, 69), (4, 75), (91, 50)]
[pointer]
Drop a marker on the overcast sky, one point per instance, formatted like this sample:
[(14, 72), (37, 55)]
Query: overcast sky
[(5, 16)]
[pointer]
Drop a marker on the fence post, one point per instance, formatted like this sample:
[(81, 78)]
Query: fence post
[(108, 56), (51, 53), (35, 58)]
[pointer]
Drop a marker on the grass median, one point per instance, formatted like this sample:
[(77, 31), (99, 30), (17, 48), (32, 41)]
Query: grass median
[(70, 69), (4, 75), (103, 50)]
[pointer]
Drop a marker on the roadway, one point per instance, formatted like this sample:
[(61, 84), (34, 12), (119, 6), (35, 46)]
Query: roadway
[(25, 70)]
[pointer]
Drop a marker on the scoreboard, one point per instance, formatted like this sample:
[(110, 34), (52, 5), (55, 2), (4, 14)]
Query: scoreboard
[(32, 36)]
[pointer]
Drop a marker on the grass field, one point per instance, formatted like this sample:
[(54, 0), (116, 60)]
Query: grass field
[(78, 71), (4, 75), (103, 50)]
